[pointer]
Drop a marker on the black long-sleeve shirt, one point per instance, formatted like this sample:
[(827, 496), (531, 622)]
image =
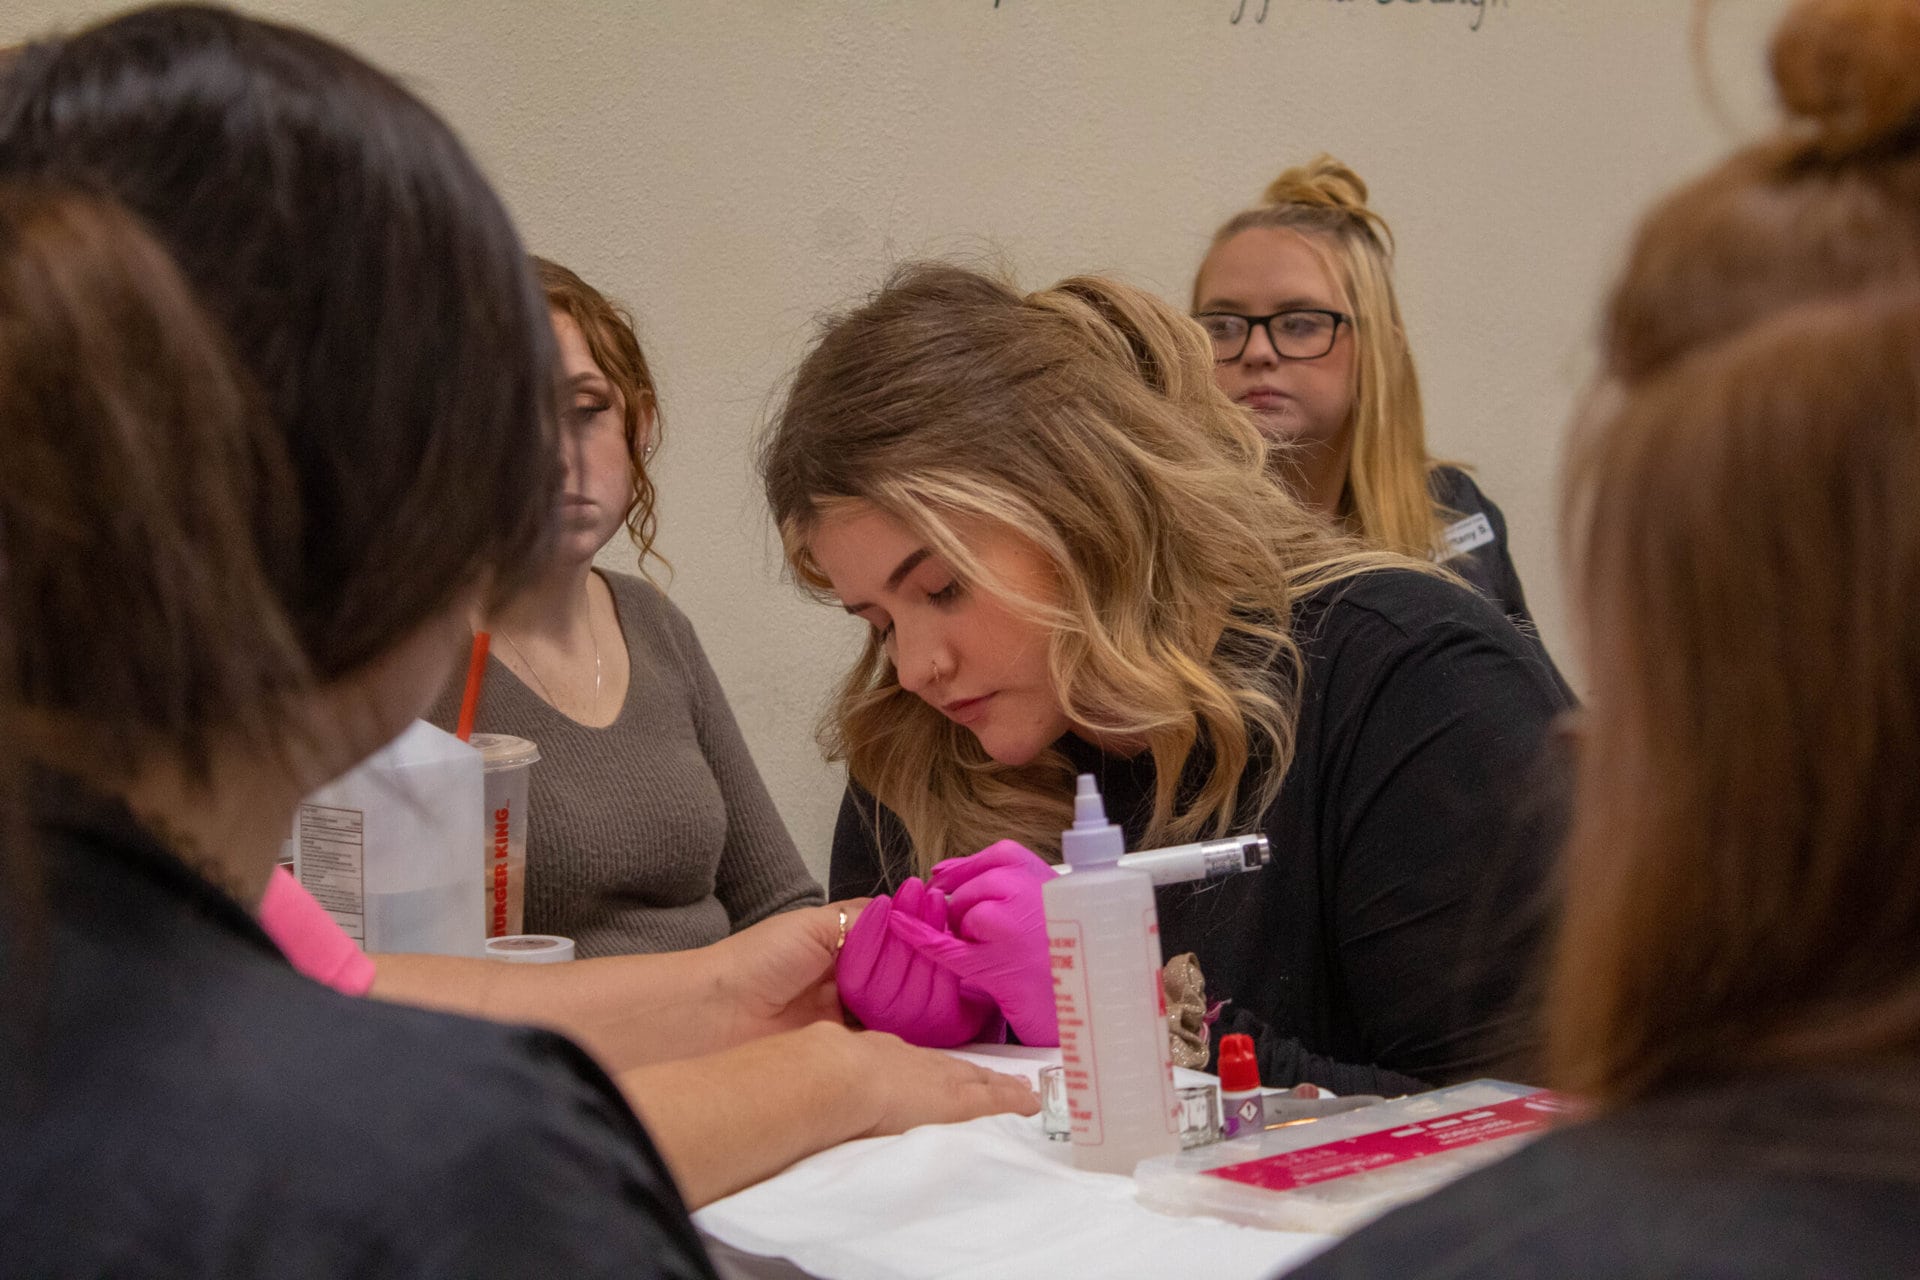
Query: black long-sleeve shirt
[(1386, 946), (1477, 539), (176, 1101), (1766, 1177)]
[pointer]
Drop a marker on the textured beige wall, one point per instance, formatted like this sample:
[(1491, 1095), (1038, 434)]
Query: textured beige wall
[(735, 169)]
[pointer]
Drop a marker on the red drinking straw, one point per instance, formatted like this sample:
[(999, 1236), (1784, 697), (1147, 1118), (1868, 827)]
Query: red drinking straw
[(476, 672)]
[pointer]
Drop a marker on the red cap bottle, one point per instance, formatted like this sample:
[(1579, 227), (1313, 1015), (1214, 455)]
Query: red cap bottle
[(1239, 1071), (1241, 1107)]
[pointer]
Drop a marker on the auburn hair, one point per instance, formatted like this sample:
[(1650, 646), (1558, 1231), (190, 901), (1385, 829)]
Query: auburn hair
[(1744, 866), (608, 330)]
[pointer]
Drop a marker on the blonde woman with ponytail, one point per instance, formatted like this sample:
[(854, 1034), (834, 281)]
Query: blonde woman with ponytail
[(1297, 296), (1735, 994), (1070, 558)]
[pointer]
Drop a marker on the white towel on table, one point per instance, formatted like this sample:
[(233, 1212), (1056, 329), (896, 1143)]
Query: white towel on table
[(991, 1199)]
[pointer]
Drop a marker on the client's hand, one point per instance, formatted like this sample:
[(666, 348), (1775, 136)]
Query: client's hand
[(892, 985), (778, 974), (906, 1087), (727, 1120), (998, 927)]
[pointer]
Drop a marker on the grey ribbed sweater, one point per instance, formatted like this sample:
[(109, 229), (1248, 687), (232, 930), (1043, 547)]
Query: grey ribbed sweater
[(656, 832)]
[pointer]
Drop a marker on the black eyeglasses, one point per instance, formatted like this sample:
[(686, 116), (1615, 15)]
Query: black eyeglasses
[(1305, 334)]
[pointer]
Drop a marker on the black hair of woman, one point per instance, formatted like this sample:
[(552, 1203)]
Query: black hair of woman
[(306, 197)]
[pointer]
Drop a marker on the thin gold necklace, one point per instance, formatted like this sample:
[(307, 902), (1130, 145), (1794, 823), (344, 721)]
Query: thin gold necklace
[(534, 671)]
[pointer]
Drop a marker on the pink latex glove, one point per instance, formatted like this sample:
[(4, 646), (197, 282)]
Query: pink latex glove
[(996, 937), (315, 945), (891, 985)]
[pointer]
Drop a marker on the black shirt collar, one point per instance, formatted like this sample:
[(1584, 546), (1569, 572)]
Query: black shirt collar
[(85, 835)]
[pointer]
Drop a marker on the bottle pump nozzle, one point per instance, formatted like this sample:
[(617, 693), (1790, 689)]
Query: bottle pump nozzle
[(1091, 841)]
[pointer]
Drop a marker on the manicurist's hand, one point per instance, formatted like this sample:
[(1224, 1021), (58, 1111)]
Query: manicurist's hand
[(900, 986), (999, 925)]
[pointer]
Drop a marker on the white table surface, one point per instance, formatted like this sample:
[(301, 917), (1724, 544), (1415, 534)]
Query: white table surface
[(991, 1199)]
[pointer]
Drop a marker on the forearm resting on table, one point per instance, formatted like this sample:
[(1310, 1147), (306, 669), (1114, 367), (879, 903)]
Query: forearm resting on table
[(628, 1011), (727, 1120)]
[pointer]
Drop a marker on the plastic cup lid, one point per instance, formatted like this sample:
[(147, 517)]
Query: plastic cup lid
[(530, 948), (504, 751)]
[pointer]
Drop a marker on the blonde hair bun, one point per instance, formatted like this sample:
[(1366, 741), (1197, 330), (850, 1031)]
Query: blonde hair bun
[(1322, 182), (1850, 68)]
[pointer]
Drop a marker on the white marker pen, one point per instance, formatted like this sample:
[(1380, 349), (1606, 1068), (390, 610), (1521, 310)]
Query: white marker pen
[(1202, 860)]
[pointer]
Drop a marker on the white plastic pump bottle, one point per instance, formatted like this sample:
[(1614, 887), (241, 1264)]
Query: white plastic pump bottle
[(1103, 934)]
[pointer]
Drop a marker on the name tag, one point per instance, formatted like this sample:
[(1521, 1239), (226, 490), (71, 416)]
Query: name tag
[(1465, 535)]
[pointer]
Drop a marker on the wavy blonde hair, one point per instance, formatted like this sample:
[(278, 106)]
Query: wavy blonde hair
[(1084, 418), (1325, 204)]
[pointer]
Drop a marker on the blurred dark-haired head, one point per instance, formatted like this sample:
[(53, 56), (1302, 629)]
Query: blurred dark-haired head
[(133, 472), (366, 277)]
